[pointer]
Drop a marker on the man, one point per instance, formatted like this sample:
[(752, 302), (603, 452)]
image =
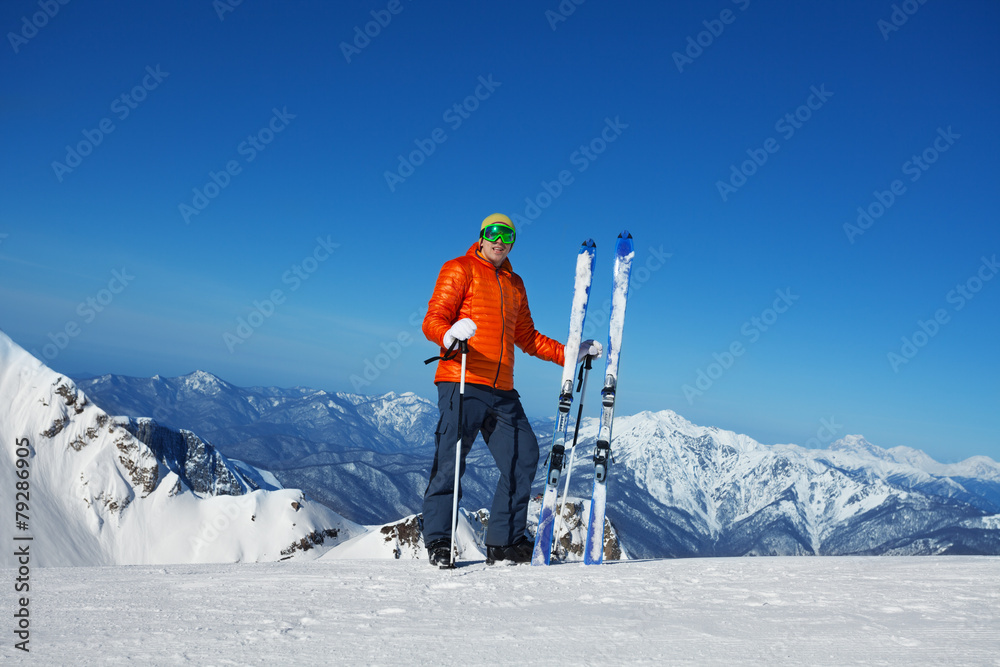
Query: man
[(479, 298)]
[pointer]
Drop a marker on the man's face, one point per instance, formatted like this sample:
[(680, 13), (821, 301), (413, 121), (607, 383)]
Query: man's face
[(494, 251)]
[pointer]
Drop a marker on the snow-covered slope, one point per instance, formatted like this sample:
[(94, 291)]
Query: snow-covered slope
[(694, 612), (95, 494)]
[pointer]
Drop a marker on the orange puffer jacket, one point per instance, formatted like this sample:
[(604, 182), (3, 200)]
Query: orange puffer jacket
[(470, 286)]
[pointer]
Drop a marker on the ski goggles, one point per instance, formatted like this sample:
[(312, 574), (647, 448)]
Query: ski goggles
[(501, 233)]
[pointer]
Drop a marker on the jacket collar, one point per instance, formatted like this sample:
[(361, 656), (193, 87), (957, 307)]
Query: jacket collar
[(474, 252)]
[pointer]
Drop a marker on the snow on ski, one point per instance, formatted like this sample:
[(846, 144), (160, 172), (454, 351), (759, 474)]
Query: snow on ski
[(624, 253), (581, 294)]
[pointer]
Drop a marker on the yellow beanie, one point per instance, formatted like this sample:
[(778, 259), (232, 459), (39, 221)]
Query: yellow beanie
[(496, 219)]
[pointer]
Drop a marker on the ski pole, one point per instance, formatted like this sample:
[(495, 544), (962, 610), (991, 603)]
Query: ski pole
[(464, 348), (584, 373)]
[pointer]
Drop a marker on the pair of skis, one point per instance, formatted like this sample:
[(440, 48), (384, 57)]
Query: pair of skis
[(547, 518)]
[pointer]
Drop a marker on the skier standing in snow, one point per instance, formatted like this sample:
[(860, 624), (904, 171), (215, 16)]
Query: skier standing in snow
[(479, 298)]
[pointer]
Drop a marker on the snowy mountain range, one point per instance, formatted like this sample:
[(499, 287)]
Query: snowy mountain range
[(687, 490), (227, 473), (677, 489)]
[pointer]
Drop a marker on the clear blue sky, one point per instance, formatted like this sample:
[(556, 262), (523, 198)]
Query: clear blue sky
[(300, 140)]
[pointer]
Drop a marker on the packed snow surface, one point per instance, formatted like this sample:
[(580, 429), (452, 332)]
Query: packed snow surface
[(798, 611)]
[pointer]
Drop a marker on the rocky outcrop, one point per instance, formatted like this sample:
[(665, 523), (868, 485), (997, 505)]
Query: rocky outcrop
[(196, 462)]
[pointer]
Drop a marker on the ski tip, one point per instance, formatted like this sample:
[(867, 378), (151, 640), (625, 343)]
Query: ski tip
[(624, 246), (589, 243)]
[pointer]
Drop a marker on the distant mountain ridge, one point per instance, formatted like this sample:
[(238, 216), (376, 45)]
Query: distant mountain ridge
[(715, 492), (294, 422), (677, 489)]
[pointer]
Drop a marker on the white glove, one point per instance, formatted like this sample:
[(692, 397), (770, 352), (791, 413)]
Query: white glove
[(590, 348), (462, 330)]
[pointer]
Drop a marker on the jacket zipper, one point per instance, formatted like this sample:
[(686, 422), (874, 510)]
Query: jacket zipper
[(503, 329)]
